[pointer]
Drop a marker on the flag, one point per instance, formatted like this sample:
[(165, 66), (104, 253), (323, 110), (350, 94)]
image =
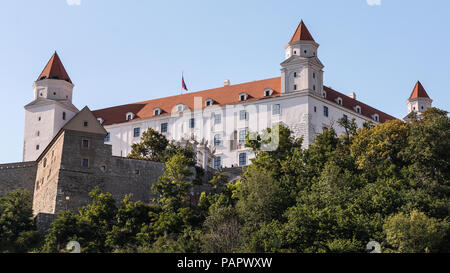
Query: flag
[(183, 84)]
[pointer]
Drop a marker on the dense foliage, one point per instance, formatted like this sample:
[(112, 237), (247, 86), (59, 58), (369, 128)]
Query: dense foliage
[(388, 183)]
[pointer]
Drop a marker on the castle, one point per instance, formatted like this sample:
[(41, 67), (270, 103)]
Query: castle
[(67, 152)]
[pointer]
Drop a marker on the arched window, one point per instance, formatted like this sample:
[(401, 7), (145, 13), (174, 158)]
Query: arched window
[(357, 109), (243, 97), (376, 117), (339, 100), (157, 112), (209, 102), (100, 120), (129, 116)]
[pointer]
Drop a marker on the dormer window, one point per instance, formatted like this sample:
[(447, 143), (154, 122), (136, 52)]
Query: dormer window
[(100, 120), (268, 92), (339, 101), (180, 107), (376, 117), (357, 109), (209, 102), (157, 112), (129, 116), (243, 96)]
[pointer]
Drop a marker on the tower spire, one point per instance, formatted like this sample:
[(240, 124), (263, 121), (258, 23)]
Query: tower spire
[(54, 70), (418, 92), (302, 33)]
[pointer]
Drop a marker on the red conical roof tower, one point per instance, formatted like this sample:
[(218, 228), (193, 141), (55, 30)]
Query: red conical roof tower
[(302, 33), (419, 92), (54, 70)]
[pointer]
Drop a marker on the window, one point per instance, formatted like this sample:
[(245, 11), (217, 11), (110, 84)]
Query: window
[(276, 109), (339, 101), (242, 159), (108, 137), (180, 108), (137, 172), (217, 119), (85, 143), (64, 116), (209, 102), (325, 111), (44, 163), (192, 123), (157, 112), (129, 116), (218, 162), (242, 135), (375, 117), (315, 109), (314, 87), (295, 74), (39, 118), (268, 92), (38, 133), (358, 109), (37, 147), (100, 120), (242, 97), (295, 87), (164, 127), (243, 115), (217, 140), (137, 132), (345, 117), (314, 75), (295, 52), (85, 162), (85, 124)]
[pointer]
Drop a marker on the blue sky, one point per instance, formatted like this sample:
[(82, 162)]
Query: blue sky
[(118, 51)]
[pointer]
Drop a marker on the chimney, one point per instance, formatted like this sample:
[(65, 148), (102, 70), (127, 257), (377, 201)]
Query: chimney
[(352, 95), (226, 83)]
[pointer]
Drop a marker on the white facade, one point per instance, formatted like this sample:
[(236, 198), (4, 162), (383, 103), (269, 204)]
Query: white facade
[(50, 110), (302, 104)]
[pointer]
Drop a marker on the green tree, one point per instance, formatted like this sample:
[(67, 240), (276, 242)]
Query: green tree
[(90, 227), (415, 233), (152, 146), (17, 230)]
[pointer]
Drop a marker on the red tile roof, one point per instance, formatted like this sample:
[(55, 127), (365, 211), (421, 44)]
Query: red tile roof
[(221, 96), (418, 92), (54, 70), (302, 33), (350, 103)]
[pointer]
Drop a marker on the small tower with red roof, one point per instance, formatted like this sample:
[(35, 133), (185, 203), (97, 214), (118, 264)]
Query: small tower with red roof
[(419, 101), (50, 110), (302, 70)]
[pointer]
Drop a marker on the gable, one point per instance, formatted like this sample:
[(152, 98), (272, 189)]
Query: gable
[(85, 116)]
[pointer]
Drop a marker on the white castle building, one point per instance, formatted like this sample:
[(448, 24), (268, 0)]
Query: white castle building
[(217, 120)]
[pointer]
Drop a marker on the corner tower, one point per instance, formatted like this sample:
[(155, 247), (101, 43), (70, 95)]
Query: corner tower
[(302, 70), (50, 110), (418, 101)]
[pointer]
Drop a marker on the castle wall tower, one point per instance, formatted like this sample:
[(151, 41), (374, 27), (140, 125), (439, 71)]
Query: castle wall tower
[(50, 110), (419, 101), (302, 70)]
